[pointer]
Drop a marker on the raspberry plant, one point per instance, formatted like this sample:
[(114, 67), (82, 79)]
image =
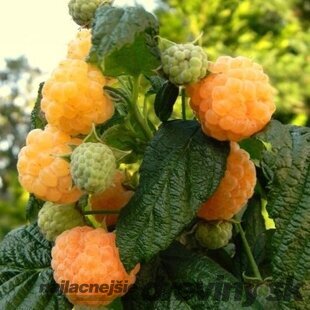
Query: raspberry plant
[(168, 167)]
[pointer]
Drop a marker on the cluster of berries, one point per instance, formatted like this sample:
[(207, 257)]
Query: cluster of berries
[(72, 101), (57, 166), (232, 99)]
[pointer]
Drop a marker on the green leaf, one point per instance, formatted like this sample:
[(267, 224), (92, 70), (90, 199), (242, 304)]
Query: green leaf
[(121, 95), (26, 278), (124, 41), (32, 208), (254, 147), (156, 84), (165, 100), (119, 137), (181, 168), (37, 119), (287, 168), (120, 99), (180, 279)]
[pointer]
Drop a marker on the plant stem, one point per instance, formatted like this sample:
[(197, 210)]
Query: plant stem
[(183, 96), (137, 113), (101, 212), (145, 111), (248, 252)]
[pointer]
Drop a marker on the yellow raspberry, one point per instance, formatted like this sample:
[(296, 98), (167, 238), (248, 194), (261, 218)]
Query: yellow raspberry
[(41, 172), (114, 198), (73, 97), (234, 190), (79, 47), (84, 255), (234, 101)]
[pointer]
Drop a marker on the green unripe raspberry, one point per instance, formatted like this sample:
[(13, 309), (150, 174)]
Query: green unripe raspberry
[(213, 235), (184, 63), (83, 11), (93, 167), (54, 219)]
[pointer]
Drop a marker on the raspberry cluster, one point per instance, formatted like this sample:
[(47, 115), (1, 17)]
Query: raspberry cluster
[(232, 101), (73, 100)]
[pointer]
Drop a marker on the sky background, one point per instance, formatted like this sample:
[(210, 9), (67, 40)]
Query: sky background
[(40, 30)]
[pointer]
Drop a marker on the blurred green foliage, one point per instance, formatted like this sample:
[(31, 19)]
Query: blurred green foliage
[(274, 33), (16, 100)]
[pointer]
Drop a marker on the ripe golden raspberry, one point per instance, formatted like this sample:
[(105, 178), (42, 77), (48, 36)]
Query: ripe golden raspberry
[(73, 98), (79, 47), (234, 190), (234, 101), (41, 172), (84, 255), (114, 198)]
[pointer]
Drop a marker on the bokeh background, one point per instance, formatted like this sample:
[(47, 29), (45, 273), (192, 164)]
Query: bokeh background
[(34, 35)]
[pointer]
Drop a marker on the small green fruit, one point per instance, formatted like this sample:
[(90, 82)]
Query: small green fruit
[(93, 167), (54, 219), (213, 235), (83, 11), (184, 63)]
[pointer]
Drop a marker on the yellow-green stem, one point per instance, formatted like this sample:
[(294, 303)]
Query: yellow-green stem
[(137, 113), (183, 98), (248, 252)]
